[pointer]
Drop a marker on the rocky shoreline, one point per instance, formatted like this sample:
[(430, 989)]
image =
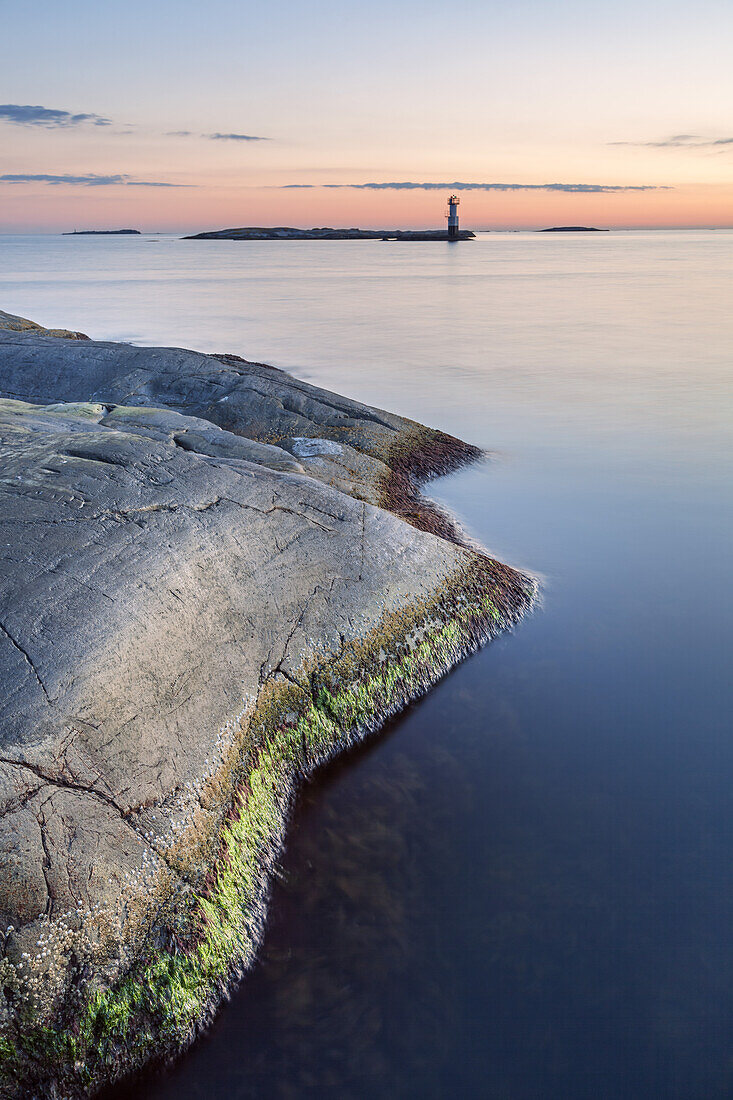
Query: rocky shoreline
[(215, 577)]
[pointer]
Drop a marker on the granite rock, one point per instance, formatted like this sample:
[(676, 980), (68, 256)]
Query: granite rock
[(204, 594)]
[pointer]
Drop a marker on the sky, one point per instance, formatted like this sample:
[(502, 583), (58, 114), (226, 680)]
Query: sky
[(171, 115)]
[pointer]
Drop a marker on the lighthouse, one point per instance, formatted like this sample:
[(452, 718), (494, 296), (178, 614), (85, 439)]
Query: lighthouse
[(453, 217)]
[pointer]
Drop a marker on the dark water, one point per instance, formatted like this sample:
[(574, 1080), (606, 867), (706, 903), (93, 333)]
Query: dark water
[(523, 889)]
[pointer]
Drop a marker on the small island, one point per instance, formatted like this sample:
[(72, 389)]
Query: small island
[(573, 229), (287, 233), (102, 233)]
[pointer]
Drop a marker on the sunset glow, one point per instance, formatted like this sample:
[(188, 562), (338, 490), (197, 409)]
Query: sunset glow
[(177, 117)]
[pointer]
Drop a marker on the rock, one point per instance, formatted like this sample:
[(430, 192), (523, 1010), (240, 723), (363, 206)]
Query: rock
[(10, 322), (573, 229), (204, 596), (380, 456)]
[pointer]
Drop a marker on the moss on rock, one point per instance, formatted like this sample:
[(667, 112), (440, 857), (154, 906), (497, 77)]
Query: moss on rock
[(197, 952)]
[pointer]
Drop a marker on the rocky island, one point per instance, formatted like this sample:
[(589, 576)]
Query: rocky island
[(573, 229), (214, 577), (102, 233), (286, 233)]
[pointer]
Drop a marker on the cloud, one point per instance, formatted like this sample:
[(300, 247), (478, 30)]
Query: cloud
[(49, 117), (405, 185), (679, 141), (215, 137), (90, 180), (234, 137), (154, 183)]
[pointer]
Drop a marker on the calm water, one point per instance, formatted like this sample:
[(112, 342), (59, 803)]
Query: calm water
[(523, 889)]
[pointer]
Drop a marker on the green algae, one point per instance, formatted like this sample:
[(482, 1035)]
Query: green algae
[(172, 991)]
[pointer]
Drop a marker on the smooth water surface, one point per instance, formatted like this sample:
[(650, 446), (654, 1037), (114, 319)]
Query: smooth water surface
[(523, 889)]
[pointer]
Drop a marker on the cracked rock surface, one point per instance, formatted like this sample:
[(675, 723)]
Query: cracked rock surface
[(178, 533)]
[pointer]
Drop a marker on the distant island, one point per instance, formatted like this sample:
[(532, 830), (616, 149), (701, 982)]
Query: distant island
[(286, 233), (573, 229), (101, 232)]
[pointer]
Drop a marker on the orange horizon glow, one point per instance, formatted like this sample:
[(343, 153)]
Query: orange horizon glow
[(51, 209)]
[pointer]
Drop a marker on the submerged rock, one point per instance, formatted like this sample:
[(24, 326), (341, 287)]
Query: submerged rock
[(208, 588)]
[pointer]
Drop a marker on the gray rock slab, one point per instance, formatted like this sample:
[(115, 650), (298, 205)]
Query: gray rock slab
[(253, 400), (182, 537), (147, 593)]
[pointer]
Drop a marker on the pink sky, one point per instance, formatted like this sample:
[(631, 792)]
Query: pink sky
[(40, 207), (621, 95)]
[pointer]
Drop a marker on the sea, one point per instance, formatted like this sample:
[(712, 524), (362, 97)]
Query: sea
[(522, 889)]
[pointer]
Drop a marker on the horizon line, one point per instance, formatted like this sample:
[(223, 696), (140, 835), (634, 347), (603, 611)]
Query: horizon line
[(475, 229)]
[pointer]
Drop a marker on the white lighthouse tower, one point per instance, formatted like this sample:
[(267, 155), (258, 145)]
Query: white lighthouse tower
[(453, 202)]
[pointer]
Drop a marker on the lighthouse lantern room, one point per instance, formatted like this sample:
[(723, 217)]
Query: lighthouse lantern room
[(453, 202)]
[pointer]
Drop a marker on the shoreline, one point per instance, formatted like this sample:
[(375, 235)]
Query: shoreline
[(202, 933), (166, 1002)]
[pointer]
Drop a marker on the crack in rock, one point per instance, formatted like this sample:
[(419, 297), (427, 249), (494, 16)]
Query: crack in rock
[(29, 661)]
